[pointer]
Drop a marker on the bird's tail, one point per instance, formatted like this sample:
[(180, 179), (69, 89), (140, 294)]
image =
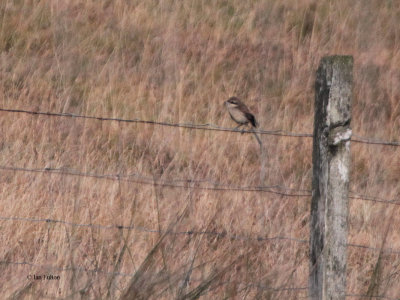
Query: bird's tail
[(257, 137)]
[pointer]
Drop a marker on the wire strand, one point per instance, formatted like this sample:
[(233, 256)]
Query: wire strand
[(195, 184), (144, 229), (207, 126), (369, 297), (193, 233), (354, 195), (372, 141), (65, 269), (279, 190)]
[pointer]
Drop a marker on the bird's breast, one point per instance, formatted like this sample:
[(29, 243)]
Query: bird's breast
[(238, 115)]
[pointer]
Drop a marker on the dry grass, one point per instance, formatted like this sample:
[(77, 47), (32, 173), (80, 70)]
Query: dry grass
[(178, 61)]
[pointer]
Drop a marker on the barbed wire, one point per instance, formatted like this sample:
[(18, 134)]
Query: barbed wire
[(192, 184), (4, 262), (277, 289), (169, 232), (359, 139), (369, 297), (195, 184), (193, 233), (384, 250), (206, 126), (354, 195)]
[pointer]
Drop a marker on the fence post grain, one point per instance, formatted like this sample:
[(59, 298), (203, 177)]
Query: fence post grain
[(330, 181)]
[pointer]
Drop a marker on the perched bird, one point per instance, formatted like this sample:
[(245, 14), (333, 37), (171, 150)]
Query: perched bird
[(241, 115), (239, 112)]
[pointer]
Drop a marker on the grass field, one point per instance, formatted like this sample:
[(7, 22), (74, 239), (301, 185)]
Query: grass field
[(178, 61)]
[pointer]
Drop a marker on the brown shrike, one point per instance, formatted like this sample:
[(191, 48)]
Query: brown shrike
[(241, 114)]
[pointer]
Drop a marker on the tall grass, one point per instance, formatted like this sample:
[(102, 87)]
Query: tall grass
[(178, 61)]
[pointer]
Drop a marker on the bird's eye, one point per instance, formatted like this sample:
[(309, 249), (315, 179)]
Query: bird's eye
[(233, 101)]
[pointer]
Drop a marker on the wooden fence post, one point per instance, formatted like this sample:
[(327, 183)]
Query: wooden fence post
[(330, 180)]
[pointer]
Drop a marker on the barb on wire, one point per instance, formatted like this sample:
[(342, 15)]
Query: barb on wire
[(354, 195), (384, 250), (360, 296), (360, 139), (143, 229), (192, 184), (277, 289)]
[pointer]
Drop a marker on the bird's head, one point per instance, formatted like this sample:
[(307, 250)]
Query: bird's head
[(232, 102)]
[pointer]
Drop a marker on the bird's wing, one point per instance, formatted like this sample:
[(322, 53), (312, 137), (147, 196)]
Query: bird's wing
[(244, 108), (251, 118)]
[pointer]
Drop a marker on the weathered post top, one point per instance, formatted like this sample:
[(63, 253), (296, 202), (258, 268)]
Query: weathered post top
[(330, 181), (333, 89)]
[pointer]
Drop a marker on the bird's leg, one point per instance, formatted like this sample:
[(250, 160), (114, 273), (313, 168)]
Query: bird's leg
[(243, 129), (237, 127)]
